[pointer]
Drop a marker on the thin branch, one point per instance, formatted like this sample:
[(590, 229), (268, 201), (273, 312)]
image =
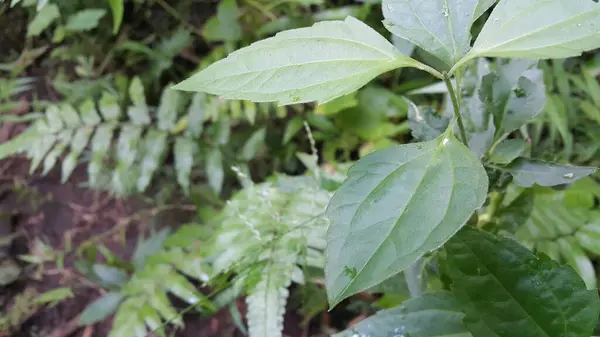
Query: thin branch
[(455, 104)]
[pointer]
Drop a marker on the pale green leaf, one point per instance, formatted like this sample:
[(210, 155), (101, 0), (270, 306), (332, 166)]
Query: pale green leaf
[(116, 6), (138, 113), (429, 315), (63, 141), (78, 144), (396, 205), (127, 152), (88, 113), (291, 129), (253, 144), (291, 67), (109, 106), (168, 109), (527, 172), (266, 302), (250, 111), (38, 150), (441, 27), (100, 146), (161, 303), (155, 144), (84, 20), (100, 309), (110, 275), (509, 150), (516, 293), (69, 115), (184, 150), (561, 28), (43, 19), (214, 170), (196, 114), (574, 255), (55, 121)]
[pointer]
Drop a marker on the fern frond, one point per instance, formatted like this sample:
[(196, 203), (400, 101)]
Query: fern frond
[(267, 233), (266, 302), (146, 307), (565, 233)]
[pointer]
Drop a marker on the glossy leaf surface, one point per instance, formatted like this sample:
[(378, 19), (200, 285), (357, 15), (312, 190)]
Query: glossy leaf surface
[(516, 293), (527, 172)]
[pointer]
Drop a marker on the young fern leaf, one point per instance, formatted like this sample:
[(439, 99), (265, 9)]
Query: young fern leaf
[(319, 63), (267, 232)]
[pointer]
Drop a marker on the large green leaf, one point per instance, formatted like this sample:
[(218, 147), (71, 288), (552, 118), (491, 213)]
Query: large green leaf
[(515, 293), (429, 315), (440, 27), (100, 308), (43, 19), (539, 29), (319, 63), (396, 205), (527, 172)]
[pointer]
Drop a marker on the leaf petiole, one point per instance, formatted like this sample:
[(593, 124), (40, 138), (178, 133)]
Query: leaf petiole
[(456, 106)]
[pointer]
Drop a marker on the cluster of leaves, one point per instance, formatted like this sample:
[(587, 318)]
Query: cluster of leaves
[(401, 203), (162, 264)]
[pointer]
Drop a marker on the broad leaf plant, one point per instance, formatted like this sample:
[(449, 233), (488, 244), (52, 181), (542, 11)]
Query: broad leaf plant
[(402, 203)]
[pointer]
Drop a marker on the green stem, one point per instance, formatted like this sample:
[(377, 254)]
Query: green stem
[(461, 127)]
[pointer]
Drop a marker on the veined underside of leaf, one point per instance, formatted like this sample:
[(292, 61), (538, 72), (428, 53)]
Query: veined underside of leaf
[(441, 27), (539, 29), (396, 205), (319, 63)]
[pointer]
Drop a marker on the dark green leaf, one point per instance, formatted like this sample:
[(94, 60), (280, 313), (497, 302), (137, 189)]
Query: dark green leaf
[(515, 293), (100, 308), (429, 315), (396, 205), (527, 172)]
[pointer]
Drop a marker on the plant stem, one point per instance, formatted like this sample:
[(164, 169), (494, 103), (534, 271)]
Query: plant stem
[(174, 13), (455, 104)]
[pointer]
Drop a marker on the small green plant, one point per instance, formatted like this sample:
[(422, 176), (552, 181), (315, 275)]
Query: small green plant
[(401, 203)]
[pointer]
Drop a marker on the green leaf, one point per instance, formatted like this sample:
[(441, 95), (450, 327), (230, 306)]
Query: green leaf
[(515, 293), (509, 150), (116, 6), (214, 170), (396, 205), (100, 146), (88, 113), (78, 144), (184, 160), (561, 29), (84, 20), (19, 143), (54, 296), (138, 113), (168, 109), (155, 144), (426, 124), (196, 114), (146, 248), (109, 106), (291, 129), (253, 144), (337, 105), (43, 19), (69, 115), (110, 275), (127, 152), (223, 26), (527, 172), (429, 315), (514, 93), (62, 142), (100, 308), (291, 67), (440, 27)]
